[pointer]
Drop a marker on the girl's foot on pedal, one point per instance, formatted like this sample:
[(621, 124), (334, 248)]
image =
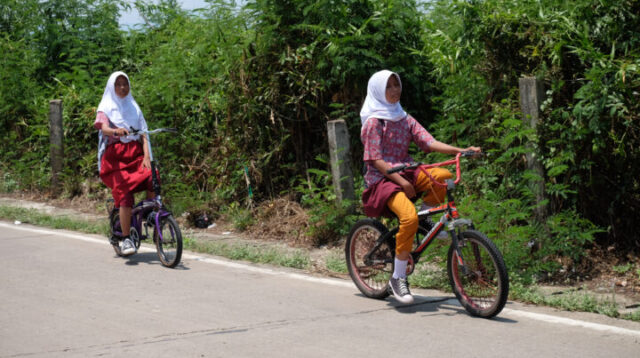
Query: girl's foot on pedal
[(127, 248), (400, 289)]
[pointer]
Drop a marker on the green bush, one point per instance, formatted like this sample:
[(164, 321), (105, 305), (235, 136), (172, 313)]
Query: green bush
[(253, 86)]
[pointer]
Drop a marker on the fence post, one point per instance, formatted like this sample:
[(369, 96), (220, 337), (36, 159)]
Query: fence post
[(56, 137), (339, 155), (531, 97)]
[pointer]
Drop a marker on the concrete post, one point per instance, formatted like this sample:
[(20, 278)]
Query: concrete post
[(56, 138), (531, 97), (340, 159)]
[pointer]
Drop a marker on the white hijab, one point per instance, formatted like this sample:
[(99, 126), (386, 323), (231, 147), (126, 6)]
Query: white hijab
[(376, 105), (122, 112)]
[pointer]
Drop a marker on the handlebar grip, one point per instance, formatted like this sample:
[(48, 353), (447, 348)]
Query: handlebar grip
[(399, 168), (471, 153)]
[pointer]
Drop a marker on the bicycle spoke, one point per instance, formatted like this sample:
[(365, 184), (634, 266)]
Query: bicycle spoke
[(370, 263), (483, 289)]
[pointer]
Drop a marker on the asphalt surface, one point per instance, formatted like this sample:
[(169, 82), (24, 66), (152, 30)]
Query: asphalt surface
[(67, 294)]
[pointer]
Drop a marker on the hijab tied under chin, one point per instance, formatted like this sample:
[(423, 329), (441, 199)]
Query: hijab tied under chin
[(376, 105)]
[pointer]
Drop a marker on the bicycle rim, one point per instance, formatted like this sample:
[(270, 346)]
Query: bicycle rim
[(370, 274), (483, 288), (169, 247)]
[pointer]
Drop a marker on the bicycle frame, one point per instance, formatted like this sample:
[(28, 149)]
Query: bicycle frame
[(143, 210), (450, 219)]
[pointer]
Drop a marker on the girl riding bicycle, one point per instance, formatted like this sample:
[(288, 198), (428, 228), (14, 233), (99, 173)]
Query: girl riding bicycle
[(387, 131), (123, 159)]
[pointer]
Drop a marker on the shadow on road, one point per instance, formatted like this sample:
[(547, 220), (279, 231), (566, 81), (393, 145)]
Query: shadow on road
[(150, 258), (447, 306)]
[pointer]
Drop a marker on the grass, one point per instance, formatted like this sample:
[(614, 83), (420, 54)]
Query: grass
[(239, 251), (427, 275), (34, 217), (633, 316), (335, 262), (570, 301)]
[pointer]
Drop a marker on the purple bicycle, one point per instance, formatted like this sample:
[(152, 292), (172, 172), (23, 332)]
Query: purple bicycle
[(150, 214)]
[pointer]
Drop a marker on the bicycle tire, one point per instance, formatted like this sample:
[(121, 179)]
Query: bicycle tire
[(483, 291), (371, 279), (114, 225), (169, 249)]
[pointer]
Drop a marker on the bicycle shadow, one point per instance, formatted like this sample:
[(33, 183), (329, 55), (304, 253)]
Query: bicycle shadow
[(149, 258), (443, 305)]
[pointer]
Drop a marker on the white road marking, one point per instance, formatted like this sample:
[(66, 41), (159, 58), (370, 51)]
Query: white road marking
[(335, 282), (571, 322)]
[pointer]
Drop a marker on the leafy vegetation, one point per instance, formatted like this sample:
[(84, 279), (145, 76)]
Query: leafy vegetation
[(251, 88), (242, 251)]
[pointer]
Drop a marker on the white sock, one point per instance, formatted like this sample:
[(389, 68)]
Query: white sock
[(400, 268)]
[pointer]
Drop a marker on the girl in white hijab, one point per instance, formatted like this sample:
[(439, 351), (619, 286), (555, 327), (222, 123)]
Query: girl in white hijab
[(387, 131), (123, 159), (376, 104)]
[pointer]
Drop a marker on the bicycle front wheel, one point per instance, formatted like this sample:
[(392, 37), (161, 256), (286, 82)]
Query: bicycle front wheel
[(168, 240), (114, 230), (481, 284), (370, 262)]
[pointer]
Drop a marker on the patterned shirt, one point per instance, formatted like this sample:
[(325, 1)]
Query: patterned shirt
[(390, 142), (102, 118)]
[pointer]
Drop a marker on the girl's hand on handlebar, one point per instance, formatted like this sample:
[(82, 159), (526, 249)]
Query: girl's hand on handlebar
[(476, 150), (120, 132)]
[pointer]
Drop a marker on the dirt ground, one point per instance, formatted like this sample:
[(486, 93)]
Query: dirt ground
[(281, 222)]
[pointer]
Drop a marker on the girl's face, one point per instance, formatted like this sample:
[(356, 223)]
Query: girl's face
[(122, 86), (394, 90)]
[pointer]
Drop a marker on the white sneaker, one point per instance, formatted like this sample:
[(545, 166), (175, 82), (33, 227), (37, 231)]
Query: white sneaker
[(400, 289), (127, 248)]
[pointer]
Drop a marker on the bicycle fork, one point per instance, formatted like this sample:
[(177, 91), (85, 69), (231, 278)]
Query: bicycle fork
[(454, 229)]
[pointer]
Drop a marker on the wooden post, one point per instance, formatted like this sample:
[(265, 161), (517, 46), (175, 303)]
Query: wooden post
[(340, 159), (531, 97), (56, 137)]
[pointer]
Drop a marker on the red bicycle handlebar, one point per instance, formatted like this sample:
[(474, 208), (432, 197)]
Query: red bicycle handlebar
[(455, 161)]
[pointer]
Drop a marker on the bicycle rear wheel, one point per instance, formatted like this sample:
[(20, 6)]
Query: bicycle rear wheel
[(169, 245), (483, 287), (370, 267)]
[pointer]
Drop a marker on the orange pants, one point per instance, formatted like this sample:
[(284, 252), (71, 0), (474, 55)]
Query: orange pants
[(405, 209)]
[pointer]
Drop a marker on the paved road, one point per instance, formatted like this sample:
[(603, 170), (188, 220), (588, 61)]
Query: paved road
[(67, 294)]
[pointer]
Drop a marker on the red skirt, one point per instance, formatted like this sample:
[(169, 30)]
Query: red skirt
[(375, 197), (122, 171)]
